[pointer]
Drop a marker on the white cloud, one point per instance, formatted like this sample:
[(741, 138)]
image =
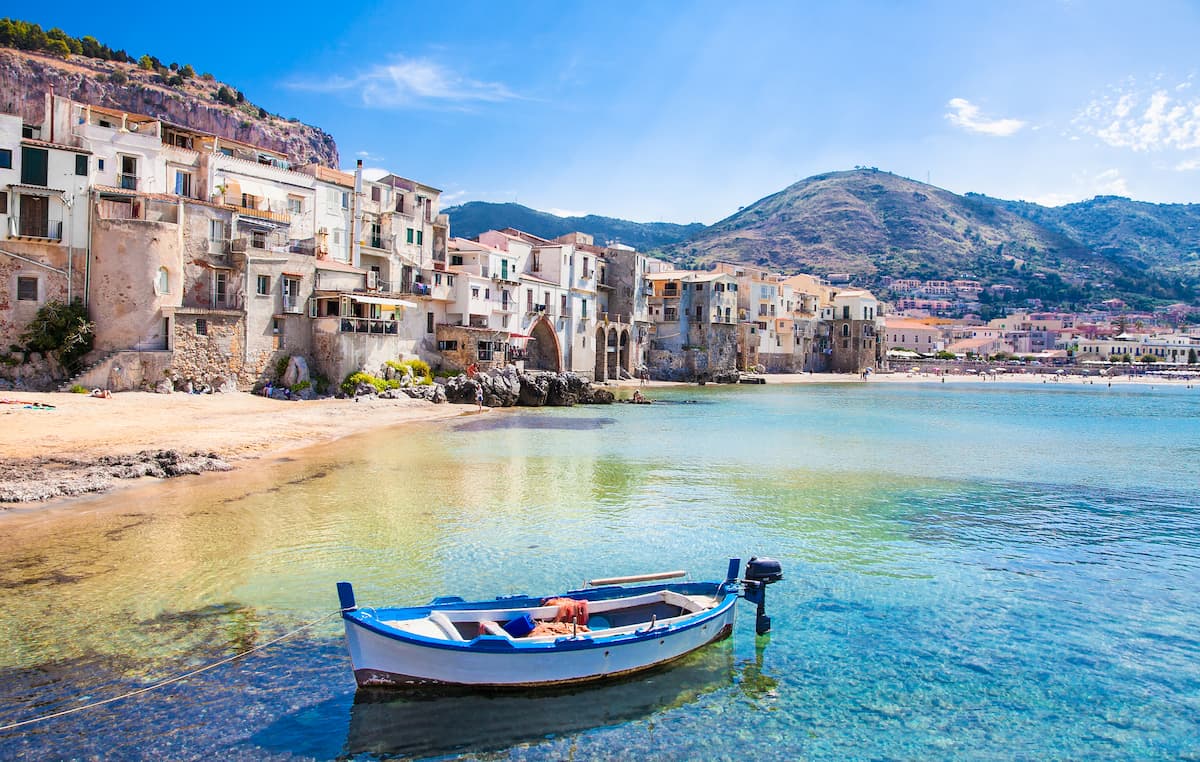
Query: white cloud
[(1110, 183), (1188, 165), (1085, 186), (567, 213), (1144, 120), (965, 114), (411, 82)]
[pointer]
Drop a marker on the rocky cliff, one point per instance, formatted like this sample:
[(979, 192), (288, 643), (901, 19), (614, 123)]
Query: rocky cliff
[(26, 77)]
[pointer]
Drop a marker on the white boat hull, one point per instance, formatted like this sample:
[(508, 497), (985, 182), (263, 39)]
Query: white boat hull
[(381, 659)]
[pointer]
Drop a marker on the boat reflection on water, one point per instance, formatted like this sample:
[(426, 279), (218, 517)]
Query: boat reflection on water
[(428, 723)]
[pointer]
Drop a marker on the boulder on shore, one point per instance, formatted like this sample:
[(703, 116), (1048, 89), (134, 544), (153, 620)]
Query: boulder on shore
[(510, 387)]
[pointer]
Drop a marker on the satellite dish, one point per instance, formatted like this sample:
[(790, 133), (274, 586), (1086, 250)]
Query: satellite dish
[(133, 127)]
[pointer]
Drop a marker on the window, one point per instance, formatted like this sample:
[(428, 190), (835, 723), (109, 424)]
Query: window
[(295, 205), (128, 172), (183, 184), (845, 329), (449, 280), (258, 239), (455, 259), (345, 200), (408, 238), (699, 286), (220, 287), (81, 165), (3, 202), (27, 289), (429, 323), (34, 166), (162, 284), (217, 231), (584, 309), (201, 327), (563, 304), (487, 293), (100, 164), (670, 314), (699, 312), (5, 158), (437, 279), (375, 193), (420, 237), (277, 326), (846, 312), (450, 345), (263, 287), (474, 292)]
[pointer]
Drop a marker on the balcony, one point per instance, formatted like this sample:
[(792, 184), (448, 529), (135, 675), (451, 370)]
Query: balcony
[(262, 214), (35, 227), (369, 326), (127, 182), (292, 305)]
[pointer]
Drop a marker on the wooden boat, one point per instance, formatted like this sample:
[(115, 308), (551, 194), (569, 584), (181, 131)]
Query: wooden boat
[(610, 628)]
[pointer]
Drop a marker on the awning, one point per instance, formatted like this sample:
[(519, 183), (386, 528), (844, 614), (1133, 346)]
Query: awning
[(36, 190), (382, 300)]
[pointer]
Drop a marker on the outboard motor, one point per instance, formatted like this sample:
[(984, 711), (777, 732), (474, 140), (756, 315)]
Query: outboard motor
[(760, 572)]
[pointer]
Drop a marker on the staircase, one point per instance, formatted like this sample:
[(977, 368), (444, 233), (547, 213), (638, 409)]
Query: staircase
[(66, 385)]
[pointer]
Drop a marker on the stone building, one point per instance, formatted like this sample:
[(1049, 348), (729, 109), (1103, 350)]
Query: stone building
[(695, 325)]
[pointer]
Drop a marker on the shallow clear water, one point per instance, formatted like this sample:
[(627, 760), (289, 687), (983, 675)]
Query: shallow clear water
[(992, 571)]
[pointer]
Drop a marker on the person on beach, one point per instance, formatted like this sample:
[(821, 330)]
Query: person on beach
[(478, 398)]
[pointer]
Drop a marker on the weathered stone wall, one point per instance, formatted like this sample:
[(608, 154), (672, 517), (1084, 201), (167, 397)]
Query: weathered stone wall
[(217, 354), (52, 286), (711, 351), (336, 355), (124, 302)]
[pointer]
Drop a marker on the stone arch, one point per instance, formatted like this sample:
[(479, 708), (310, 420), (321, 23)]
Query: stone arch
[(601, 371), (612, 354), (544, 351), (624, 359)]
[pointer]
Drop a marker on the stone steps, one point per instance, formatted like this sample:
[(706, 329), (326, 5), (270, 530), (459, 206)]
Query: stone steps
[(66, 385)]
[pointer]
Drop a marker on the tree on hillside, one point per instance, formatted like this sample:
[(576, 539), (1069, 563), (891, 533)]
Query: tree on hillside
[(146, 63)]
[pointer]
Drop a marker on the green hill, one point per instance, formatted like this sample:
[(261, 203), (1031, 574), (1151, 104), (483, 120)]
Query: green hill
[(470, 219)]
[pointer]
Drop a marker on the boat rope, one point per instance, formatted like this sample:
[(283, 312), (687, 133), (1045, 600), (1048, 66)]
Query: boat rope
[(170, 680)]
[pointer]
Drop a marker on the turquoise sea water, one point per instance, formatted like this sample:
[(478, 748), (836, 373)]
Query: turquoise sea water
[(992, 571)]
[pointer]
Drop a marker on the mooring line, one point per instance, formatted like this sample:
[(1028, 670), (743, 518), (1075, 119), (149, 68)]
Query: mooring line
[(170, 680)]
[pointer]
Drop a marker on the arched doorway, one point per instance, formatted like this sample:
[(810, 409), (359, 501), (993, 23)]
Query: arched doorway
[(613, 354), (623, 358), (543, 350), (601, 371)]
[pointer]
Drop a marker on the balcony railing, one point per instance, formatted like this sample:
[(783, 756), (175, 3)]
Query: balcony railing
[(128, 182), (34, 227), (369, 326), (262, 214), (292, 305)]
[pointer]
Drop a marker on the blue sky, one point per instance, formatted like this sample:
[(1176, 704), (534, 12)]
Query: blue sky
[(683, 112)]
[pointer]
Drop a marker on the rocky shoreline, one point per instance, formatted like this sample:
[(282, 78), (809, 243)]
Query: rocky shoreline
[(32, 480)]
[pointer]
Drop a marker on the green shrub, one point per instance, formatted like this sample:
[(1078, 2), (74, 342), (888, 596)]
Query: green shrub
[(61, 330), (1148, 358), (281, 366), (321, 384), (300, 386), (79, 389), (444, 373), (420, 370), (354, 379)]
